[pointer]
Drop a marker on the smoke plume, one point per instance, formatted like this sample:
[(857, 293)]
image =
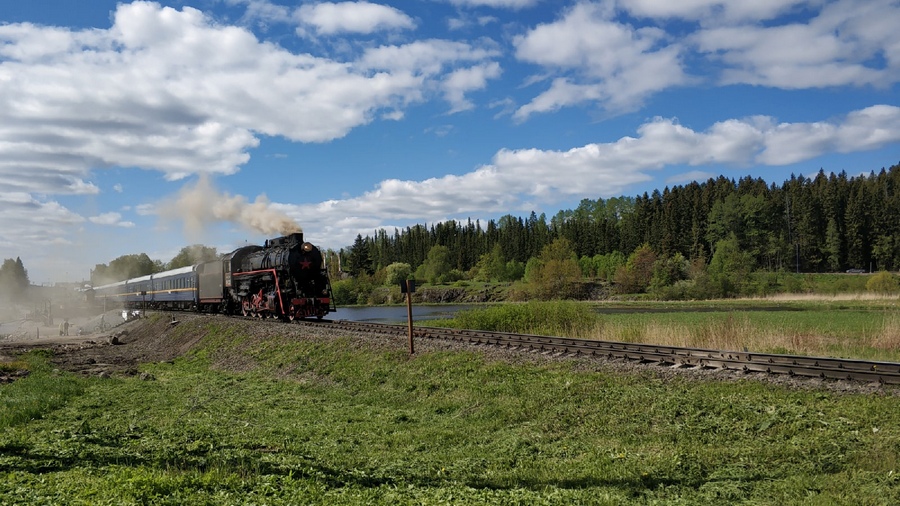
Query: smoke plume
[(202, 204)]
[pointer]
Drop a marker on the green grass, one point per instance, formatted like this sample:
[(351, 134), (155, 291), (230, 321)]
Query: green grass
[(839, 328), (41, 392), (558, 318), (327, 421)]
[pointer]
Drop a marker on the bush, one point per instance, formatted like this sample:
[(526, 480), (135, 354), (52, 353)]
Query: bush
[(883, 283), (396, 273), (343, 293), (353, 291), (557, 318)]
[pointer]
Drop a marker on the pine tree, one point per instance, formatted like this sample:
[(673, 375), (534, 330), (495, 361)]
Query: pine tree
[(359, 260)]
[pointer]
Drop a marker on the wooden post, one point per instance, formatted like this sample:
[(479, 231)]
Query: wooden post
[(409, 315)]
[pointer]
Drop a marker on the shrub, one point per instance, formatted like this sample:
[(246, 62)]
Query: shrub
[(342, 292), (353, 291), (884, 283), (559, 318), (635, 275), (397, 272)]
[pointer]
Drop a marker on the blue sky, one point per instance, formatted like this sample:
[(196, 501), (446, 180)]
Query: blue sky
[(143, 127)]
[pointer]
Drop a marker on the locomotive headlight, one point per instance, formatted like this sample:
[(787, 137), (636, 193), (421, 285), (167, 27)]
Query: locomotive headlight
[(307, 247)]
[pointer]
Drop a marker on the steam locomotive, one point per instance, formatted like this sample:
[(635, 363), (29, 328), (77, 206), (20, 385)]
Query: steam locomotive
[(285, 278)]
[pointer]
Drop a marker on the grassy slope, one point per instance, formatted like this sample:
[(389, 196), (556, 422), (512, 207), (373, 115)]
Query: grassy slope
[(329, 421)]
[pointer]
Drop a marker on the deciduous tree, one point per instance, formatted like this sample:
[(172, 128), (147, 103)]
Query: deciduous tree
[(13, 279)]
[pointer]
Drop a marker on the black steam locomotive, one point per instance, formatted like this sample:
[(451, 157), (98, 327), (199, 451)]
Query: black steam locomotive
[(285, 278)]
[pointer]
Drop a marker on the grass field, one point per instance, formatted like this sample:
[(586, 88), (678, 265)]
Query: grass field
[(336, 421), (836, 327)]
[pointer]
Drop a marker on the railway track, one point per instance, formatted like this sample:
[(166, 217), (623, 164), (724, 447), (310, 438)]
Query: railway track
[(795, 365)]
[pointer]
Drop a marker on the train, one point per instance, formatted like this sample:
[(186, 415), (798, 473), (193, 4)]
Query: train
[(285, 278)]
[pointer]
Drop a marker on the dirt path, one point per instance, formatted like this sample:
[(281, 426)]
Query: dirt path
[(118, 350)]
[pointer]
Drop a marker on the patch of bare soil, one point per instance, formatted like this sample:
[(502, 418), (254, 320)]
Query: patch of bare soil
[(10, 376), (117, 350)]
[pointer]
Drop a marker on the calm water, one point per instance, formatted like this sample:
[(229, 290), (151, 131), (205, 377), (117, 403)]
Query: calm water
[(395, 314)]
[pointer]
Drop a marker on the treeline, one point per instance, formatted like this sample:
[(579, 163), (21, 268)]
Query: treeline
[(136, 265), (828, 223)]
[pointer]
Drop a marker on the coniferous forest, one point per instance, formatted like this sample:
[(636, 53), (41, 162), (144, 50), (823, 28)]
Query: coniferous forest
[(827, 223)]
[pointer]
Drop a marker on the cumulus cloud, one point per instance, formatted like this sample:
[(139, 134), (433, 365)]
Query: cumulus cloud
[(847, 43), (461, 81), (329, 18), (612, 63), (178, 92), (172, 91), (592, 56), (517, 179)]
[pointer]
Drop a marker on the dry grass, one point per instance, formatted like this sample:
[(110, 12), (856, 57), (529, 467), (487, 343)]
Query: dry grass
[(889, 336), (739, 334), (821, 297)]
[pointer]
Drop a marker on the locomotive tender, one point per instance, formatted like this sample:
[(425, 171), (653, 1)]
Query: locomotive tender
[(285, 278)]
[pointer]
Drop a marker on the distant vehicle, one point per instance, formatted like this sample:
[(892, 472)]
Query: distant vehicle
[(856, 271)]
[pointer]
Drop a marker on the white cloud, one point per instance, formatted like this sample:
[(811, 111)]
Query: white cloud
[(329, 18), (110, 219), (461, 81), (172, 91), (516, 179), (424, 57), (35, 228), (561, 93), (423, 60), (500, 4), (866, 129), (263, 11), (847, 43), (712, 10), (146, 209), (613, 64), (593, 57)]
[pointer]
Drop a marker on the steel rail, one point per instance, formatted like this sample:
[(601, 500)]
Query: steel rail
[(794, 365)]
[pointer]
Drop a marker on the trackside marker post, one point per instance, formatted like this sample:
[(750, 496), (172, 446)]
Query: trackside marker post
[(408, 286)]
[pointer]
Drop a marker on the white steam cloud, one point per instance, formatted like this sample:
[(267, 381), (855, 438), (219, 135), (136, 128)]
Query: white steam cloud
[(202, 204)]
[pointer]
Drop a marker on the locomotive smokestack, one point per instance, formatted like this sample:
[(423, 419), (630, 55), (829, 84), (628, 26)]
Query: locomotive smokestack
[(295, 238), (288, 240)]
